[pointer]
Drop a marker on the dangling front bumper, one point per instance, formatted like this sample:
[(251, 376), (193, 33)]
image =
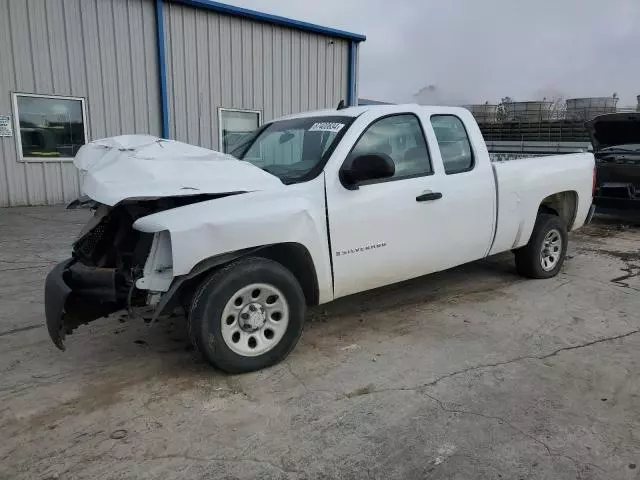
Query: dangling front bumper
[(75, 294)]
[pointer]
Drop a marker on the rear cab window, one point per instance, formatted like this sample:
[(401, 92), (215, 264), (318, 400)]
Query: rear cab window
[(454, 143)]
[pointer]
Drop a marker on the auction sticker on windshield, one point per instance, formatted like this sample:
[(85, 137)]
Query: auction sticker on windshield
[(326, 127)]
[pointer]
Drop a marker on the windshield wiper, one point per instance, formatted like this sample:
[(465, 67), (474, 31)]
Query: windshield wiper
[(267, 168)]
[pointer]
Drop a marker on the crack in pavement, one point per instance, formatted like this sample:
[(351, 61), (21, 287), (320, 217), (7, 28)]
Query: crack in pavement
[(587, 344), (295, 375), (527, 357), (21, 262), (370, 389), (33, 382), (32, 267), (578, 465), (286, 470), (435, 381), (20, 329)]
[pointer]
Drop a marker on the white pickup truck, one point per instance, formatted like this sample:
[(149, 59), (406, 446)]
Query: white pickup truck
[(310, 208)]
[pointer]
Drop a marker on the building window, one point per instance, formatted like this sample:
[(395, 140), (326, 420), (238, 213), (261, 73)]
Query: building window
[(235, 124), (49, 127)]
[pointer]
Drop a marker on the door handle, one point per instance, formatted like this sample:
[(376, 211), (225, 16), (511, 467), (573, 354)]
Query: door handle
[(428, 196)]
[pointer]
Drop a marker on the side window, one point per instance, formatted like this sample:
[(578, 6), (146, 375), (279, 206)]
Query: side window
[(401, 138), (454, 144)]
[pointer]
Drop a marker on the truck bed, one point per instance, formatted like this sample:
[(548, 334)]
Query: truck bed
[(522, 184)]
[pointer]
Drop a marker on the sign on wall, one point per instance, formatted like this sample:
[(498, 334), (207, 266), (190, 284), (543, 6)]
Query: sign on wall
[(5, 126)]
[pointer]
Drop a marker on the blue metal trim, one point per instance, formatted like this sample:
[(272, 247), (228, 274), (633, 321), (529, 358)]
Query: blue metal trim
[(275, 19), (162, 68), (352, 75)]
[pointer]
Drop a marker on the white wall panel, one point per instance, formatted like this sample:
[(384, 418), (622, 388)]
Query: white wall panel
[(216, 60), (105, 52)]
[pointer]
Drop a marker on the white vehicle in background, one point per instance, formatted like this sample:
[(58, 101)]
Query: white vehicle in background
[(316, 206)]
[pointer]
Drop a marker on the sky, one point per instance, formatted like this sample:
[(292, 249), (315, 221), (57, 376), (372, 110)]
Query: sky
[(477, 51)]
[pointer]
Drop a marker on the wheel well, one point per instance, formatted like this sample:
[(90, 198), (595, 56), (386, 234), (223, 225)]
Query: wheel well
[(562, 204), (297, 259), (293, 256)]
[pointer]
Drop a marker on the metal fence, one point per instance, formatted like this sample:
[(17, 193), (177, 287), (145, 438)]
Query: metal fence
[(545, 121), (541, 131), (578, 109)]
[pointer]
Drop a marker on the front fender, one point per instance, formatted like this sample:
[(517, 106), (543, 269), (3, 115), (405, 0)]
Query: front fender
[(215, 227)]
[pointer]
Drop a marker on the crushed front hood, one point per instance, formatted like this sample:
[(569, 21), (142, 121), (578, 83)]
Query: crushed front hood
[(614, 129), (146, 167)]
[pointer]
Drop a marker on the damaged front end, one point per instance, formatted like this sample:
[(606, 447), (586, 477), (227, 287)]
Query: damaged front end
[(99, 279), (113, 267), (75, 294)]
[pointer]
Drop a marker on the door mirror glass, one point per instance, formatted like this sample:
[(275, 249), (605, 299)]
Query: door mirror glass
[(367, 167)]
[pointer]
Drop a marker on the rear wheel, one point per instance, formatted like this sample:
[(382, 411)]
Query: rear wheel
[(247, 316), (544, 255)]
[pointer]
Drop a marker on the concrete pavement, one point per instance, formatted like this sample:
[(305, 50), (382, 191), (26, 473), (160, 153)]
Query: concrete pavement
[(470, 373)]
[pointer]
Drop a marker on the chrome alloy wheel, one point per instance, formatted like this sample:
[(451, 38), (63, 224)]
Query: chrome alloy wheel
[(551, 250), (255, 319)]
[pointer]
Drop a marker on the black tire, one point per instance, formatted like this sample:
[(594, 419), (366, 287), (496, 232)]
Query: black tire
[(528, 258), (211, 297)]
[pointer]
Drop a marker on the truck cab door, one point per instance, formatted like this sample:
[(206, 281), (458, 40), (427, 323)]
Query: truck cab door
[(418, 221)]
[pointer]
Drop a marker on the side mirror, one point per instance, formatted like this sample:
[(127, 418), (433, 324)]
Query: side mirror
[(285, 137), (366, 167)]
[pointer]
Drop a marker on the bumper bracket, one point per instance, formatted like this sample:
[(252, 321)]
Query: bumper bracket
[(75, 294)]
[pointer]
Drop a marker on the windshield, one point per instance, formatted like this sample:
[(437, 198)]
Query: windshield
[(293, 150), (627, 147)]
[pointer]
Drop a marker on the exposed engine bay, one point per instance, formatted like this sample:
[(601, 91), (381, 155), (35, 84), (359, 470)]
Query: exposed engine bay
[(113, 265), (108, 258), (109, 241)]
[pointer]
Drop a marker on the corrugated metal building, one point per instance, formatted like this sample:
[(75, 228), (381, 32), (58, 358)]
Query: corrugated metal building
[(193, 70)]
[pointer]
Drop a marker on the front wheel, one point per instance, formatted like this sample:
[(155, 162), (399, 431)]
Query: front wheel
[(247, 316), (544, 255)]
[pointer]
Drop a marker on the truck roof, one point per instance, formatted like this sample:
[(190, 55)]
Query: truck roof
[(382, 109)]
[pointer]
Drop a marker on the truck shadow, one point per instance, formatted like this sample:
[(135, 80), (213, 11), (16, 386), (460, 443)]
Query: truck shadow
[(121, 344), (124, 358), (476, 281)]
